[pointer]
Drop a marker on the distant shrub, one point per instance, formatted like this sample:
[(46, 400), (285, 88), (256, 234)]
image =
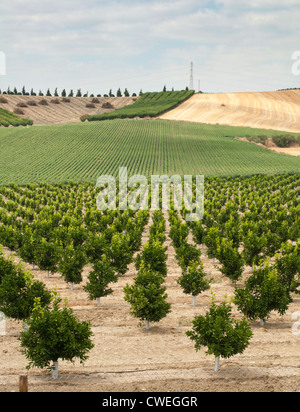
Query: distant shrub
[(284, 140), (84, 117), (90, 106), (258, 139), (43, 102), (107, 105), (55, 101), (3, 100), (31, 103), (21, 104), (66, 100), (95, 100), (18, 111)]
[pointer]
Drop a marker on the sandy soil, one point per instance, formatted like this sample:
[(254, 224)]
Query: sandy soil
[(268, 110), (270, 145), (128, 358), (292, 151), (63, 112)]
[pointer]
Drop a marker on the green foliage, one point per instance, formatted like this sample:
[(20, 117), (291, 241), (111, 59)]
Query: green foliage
[(53, 334), (154, 257), (287, 264), (230, 259), (220, 332), (254, 245), (27, 251), (120, 253), (186, 254), (95, 246), (147, 296), (211, 240), (8, 118), (7, 266), (99, 279), (284, 140), (179, 233), (47, 255), (192, 279), (18, 292), (198, 232), (263, 293), (72, 263)]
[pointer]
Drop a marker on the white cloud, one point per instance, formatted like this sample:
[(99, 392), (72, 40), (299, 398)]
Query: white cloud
[(77, 43), (257, 4)]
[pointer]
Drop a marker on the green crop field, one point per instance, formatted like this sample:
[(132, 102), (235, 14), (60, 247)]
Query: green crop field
[(8, 118), (85, 151), (148, 105)]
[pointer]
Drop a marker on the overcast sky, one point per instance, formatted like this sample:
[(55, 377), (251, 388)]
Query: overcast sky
[(96, 45)]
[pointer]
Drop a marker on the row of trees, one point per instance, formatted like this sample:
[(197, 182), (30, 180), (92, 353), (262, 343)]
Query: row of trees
[(217, 330), (72, 93), (64, 93), (254, 238), (147, 296), (193, 277)]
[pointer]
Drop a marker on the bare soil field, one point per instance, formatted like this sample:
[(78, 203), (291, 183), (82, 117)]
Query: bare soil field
[(63, 112), (127, 358), (267, 110), (293, 150)]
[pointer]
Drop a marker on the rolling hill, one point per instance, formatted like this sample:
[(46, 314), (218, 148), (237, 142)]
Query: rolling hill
[(56, 110), (85, 151), (268, 110)]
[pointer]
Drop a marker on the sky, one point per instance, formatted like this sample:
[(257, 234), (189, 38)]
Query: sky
[(96, 45)]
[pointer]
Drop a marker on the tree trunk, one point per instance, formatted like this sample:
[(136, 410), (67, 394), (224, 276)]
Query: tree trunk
[(147, 325), (262, 322), (55, 370), (72, 286), (194, 301), (23, 383), (98, 302), (217, 364)]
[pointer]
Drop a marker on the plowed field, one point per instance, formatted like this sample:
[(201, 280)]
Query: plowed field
[(268, 110), (62, 112)]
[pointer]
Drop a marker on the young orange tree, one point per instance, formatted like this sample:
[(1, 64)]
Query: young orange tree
[(55, 333), (220, 332)]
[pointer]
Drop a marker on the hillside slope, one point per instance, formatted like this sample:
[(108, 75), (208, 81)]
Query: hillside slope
[(64, 112), (85, 151), (151, 104), (268, 110)]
